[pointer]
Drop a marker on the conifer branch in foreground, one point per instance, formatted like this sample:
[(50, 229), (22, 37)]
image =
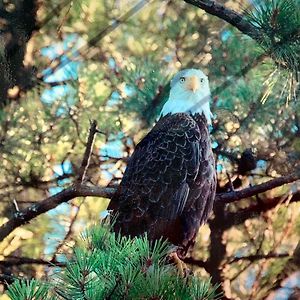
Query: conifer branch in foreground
[(109, 266)]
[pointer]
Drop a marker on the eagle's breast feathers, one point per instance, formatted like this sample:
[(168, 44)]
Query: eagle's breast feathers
[(169, 184)]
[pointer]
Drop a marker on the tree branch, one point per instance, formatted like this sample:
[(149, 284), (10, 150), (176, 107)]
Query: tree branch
[(7, 279), (76, 190), (230, 16), (17, 261), (239, 217), (87, 153), (83, 190), (80, 189), (70, 230), (195, 262), (255, 257), (257, 189), (22, 217)]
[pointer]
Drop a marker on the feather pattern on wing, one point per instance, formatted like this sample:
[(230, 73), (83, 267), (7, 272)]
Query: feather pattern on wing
[(169, 184)]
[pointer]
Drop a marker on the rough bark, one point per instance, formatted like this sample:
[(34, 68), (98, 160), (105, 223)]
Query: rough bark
[(17, 24)]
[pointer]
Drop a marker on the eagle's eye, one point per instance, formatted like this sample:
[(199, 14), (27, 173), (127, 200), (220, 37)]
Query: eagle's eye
[(202, 80), (182, 79)]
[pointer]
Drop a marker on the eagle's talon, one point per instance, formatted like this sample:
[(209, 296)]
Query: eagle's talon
[(183, 270)]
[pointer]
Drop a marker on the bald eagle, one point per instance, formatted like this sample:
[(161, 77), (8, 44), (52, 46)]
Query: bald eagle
[(168, 188)]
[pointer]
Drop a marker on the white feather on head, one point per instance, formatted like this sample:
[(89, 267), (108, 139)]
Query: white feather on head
[(189, 93)]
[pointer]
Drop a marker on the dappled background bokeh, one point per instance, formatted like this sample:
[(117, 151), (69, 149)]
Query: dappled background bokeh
[(112, 61)]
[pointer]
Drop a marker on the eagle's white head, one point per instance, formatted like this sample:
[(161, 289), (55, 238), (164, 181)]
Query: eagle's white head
[(189, 93)]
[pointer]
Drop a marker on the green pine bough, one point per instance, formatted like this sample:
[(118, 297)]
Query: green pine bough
[(278, 25), (109, 266)]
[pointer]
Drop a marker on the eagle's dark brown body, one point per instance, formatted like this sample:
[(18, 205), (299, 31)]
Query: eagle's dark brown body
[(169, 185)]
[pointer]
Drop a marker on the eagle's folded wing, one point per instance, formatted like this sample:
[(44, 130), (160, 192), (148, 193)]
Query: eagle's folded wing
[(157, 182)]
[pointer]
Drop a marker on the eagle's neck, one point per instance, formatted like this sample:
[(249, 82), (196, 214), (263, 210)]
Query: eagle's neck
[(188, 103)]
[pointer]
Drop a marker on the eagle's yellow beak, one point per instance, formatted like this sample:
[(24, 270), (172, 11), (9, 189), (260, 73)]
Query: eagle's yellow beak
[(192, 83)]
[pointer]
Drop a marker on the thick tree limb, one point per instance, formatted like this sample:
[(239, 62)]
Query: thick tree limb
[(22, 217), (257, 189), (232, 17), (253, 211), (17, 26), (84, 190)]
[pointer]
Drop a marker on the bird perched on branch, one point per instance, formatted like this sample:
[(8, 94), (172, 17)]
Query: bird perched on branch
[(168, 188)]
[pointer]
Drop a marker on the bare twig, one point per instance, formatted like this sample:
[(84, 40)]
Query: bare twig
[(87, 153), (230, 182), (255, 257), (70, 230), (16, 205)]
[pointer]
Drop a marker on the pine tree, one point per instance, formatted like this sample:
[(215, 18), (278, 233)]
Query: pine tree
[(252, 80), (109, 266)]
